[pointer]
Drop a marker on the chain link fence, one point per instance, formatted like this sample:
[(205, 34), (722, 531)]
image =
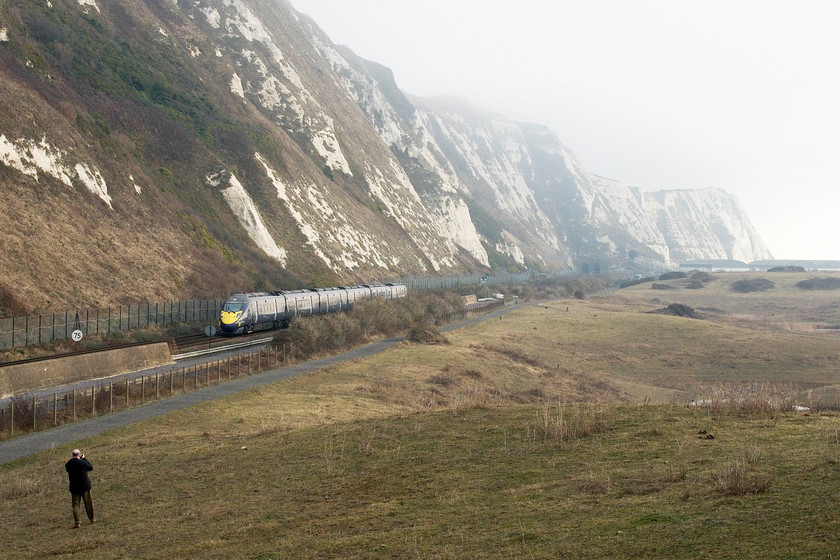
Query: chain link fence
[(433, 283), (33, 330)]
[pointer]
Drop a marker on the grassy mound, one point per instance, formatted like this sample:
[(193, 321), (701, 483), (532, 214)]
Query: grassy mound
[(752, 285), (673, 275), (830, 283)]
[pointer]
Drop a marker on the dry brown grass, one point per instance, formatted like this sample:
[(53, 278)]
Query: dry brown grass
[(562, 423), (23, 487), (740, 475), (752, 400)]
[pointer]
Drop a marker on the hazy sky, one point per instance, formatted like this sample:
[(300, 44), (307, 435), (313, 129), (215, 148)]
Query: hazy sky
[(744, 96)]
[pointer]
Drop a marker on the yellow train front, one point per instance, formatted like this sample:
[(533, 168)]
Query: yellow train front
[(245, 313)]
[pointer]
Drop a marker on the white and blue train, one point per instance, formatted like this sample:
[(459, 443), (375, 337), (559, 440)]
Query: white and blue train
[(245, 313)]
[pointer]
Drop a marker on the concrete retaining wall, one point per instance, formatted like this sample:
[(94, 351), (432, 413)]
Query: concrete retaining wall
[(23, 378)]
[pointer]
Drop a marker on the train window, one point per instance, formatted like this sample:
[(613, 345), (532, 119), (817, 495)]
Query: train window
[(233, 307)]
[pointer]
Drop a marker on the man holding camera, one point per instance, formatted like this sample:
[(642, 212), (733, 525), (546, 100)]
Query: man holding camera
[(77, 469)]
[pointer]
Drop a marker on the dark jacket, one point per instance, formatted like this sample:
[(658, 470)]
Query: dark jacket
[(77, 469)]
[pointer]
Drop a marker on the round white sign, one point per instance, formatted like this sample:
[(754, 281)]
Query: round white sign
[(77, 335), (210, 330)]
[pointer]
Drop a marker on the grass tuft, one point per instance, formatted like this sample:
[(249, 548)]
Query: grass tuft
[(740, 476), (561, 423), (23, 487), (752, 400)]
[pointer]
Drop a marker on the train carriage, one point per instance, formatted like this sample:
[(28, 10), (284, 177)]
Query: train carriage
[(243, 313)]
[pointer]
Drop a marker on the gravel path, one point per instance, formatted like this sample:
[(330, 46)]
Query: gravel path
[(47, 439)]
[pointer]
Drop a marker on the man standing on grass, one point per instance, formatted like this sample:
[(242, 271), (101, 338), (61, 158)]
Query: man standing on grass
[(77, 469)]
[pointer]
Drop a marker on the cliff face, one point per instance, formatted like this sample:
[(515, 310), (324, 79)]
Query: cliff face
[(156, 149), (705, 224)]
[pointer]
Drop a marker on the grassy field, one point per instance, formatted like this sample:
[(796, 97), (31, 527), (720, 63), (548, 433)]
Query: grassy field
[(784, 307), (561, 430)]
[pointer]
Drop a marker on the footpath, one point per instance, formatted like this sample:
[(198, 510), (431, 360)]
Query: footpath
[(30, 444)]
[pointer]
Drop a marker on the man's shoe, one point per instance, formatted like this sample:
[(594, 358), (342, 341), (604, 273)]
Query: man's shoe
[(93, 520), (77, 525)]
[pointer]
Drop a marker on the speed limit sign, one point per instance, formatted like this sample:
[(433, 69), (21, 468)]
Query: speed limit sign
[(76, 335)]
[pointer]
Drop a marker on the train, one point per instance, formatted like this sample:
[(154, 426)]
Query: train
[(246, 313)]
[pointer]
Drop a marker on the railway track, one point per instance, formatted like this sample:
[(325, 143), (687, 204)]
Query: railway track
[(177, 345)]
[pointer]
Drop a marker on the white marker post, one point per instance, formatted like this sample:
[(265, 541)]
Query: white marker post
[(210, 331)]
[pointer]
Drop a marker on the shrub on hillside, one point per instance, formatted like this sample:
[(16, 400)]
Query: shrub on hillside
[(681, 310), (704, 277), (753, 285), (635, 281), (369, 319), (677, 310), (425, 334), (695, 284), (820, 284), (674, 275), (787, 269), (657, 286)]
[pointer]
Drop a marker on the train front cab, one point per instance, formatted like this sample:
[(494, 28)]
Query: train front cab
[(233, 314)]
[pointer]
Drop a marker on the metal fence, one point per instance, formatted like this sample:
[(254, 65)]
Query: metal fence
[(432, 283), (40, 329), (29, 413)]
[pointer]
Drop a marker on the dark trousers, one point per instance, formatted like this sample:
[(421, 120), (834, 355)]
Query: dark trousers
[(77, 499)]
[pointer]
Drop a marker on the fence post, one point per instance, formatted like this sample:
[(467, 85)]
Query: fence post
[(34, 413), (55, 409), (110, 396), (93, 400), (12, 416), (157, 386), (74, 405), (171, 376), (126, 392), (142, 389)]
